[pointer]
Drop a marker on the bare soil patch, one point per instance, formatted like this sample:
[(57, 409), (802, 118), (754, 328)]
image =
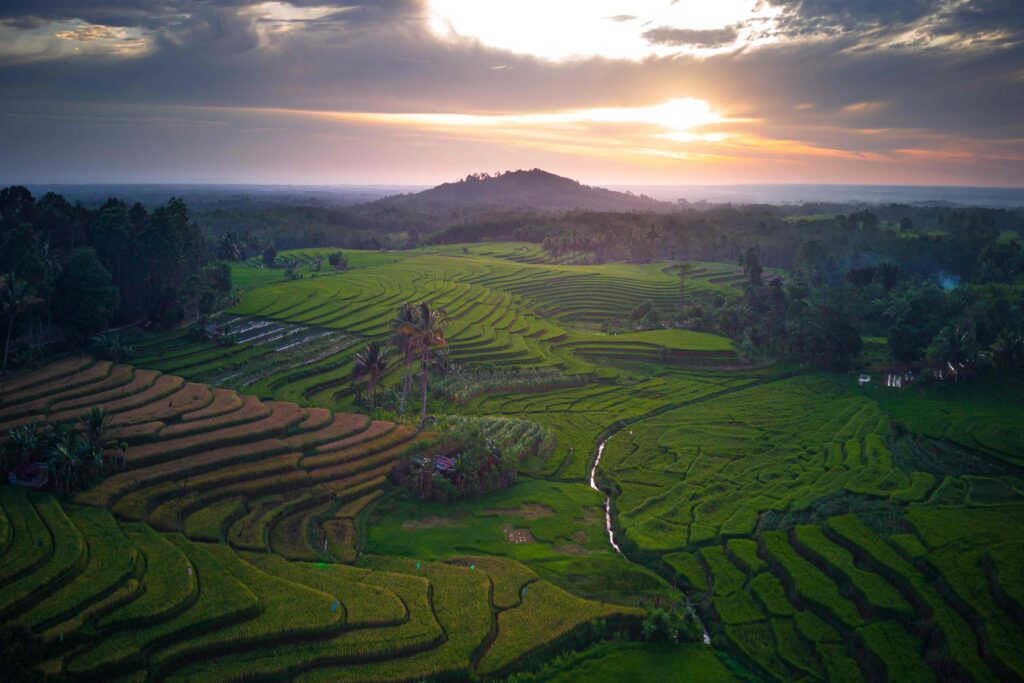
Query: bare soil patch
[(432, 522), (513, 535), (572, 549), (525, 511), (592, 515)]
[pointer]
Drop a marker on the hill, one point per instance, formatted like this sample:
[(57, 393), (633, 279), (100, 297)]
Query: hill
[(533, 189)]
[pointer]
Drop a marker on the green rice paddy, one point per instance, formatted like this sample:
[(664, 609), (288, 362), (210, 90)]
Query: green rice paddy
[(820, 530)]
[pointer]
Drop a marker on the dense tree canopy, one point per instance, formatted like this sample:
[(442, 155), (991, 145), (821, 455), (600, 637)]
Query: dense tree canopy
[(86, 298), (85, 269)]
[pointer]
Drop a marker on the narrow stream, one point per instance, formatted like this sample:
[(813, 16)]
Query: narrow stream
[(611, 534), (607, 500)]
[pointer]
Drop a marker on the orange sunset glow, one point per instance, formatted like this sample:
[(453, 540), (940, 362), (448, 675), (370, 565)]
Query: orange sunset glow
[(416, 91)]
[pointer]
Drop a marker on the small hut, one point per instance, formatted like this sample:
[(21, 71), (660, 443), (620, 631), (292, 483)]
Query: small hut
[(32, 475)]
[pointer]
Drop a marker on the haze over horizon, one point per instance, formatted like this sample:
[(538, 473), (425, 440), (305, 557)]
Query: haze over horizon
[(417, 92)]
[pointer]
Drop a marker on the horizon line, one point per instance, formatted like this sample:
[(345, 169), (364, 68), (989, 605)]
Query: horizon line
[(227, 183)]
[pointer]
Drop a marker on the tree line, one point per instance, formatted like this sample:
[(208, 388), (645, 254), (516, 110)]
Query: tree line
[(820, 316), (68, 272)]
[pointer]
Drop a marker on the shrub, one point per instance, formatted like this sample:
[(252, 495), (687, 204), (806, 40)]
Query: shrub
[(486, 454), (338, 260), (660, 627)]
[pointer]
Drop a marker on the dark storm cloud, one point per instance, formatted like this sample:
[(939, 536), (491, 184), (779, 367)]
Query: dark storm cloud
[(677, 37)]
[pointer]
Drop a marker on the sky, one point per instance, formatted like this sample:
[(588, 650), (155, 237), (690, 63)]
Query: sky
[(909, 92)]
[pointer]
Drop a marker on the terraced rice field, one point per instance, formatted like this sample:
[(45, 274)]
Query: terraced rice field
[(820, 530), (222, 541), (295, 339), (817, 543)]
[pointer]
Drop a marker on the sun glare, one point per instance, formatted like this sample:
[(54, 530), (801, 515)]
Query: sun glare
[(675, 119), (613, 29)]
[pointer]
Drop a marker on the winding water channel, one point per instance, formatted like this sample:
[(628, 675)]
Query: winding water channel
[(607, 500), (611, 533)]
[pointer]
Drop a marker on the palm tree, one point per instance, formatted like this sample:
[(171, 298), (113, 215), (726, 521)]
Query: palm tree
[(53, 266), (371, 363), (425, 333), (652, 237), (888, 275), (227, 247), (62, 455), (1009, 349), (684, 270), (94, 426), (17, 298), (109, 345), (900, 308), (404, 322), (953, 347)]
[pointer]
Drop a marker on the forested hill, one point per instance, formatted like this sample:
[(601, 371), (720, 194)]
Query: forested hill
[(533, 189)]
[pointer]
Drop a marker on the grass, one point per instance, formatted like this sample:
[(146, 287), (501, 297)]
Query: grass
[(756, 642), (899, 651), (502, 312), (459, 599), (959, 638), (67, 559), (795, 649), (810, 584), (508, 578), (772, 594), (222, 601), (363, 604), (419, 632), (612, 662), (209, 522), (822, 530), (726, 578), (738, 608), (288, 610), (876, 590), (110, 563), (569, 545), (167, 585), (32, 542), (546, 613), (958, 543), (745, 551)]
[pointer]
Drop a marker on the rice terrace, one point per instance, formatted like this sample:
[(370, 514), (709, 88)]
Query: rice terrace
[(511, 341), (249, 527)]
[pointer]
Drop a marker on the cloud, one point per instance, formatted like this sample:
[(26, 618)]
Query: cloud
[(863, 107), (879, 86), (664, 35), (806, 17)]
